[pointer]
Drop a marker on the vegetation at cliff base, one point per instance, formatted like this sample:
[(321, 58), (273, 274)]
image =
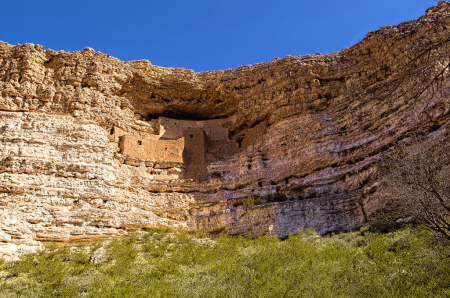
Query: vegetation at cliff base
[(159, 263)]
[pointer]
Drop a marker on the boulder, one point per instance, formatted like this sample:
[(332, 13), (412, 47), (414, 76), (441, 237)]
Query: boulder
[(98, 255), (444, 4)]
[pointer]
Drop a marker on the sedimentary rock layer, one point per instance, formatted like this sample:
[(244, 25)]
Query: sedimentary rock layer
[(91, 146)]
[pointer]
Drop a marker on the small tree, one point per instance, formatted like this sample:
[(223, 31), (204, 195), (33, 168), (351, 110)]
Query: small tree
[(419, 177)]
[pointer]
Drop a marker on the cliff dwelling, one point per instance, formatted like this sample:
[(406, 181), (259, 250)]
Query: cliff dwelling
[(188, 144)]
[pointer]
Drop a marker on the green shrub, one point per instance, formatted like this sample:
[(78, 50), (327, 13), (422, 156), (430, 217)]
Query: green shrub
[(161, 263)]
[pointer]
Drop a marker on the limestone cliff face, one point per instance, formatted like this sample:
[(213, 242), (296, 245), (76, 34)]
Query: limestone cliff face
[(91, 146)]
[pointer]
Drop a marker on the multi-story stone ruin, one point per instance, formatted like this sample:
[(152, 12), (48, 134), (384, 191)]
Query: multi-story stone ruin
[(187, 144)]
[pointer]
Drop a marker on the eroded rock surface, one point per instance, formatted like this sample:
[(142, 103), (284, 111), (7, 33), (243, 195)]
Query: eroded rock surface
[(91, 146)]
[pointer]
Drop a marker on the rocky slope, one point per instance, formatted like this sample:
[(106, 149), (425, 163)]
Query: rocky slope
[(278, 145)]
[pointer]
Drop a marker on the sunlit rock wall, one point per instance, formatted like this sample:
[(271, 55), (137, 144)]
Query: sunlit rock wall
[(291, 142)]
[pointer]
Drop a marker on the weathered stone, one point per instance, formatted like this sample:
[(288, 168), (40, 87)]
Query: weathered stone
[(433, 9), (98, 255), (4, 237), (444, 4), (261, 149)]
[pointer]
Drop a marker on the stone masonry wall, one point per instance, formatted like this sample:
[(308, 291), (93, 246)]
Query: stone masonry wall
[(173, 128), (194, 154), (169, 151)]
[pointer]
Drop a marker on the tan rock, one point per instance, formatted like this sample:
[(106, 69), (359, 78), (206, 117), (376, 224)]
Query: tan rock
[(433, 9), (98, 255), (444, 4), (87, 150)]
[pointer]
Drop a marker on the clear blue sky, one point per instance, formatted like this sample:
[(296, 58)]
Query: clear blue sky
[(201, 34)]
